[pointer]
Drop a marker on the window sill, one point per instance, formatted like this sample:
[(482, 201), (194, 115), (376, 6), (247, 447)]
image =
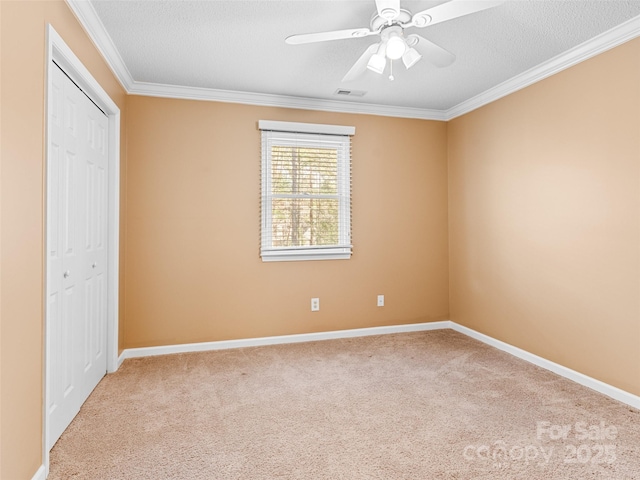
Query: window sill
[(302, 257)]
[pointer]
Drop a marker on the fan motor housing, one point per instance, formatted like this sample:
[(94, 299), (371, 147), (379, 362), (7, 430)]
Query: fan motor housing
[(378, 23)]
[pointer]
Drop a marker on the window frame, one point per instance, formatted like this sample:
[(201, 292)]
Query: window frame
[(293, 134)]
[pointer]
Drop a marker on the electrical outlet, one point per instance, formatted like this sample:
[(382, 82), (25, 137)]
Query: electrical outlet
[(381, 300), (315, 304)]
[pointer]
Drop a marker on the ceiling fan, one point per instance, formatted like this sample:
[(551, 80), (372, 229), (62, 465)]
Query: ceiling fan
[(390, 23)]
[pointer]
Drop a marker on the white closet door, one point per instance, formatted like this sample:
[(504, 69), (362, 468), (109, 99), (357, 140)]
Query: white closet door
[(94, 248), (76, 251)]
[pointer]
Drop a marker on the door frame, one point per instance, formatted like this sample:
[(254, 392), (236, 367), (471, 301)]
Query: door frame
[(59, 51)]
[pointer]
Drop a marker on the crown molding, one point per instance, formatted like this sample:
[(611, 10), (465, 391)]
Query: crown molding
[(599, 44), (88, 18), (282, 101)]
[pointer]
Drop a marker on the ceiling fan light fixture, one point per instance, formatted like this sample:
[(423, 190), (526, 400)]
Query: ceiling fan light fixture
[(410, 58), (377, 63), (395, 47)]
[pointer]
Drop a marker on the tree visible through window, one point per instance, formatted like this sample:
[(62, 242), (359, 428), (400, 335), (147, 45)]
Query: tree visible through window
[(305, 196), (306, 205)]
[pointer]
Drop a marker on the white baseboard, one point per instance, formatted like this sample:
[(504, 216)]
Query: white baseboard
[(277, 340), (121, 358), (40, 474), (592, 383)]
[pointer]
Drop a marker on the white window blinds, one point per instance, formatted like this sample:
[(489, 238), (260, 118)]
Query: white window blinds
[(306, 191)]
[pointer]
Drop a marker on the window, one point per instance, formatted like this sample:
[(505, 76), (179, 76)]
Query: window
[(306, 191)]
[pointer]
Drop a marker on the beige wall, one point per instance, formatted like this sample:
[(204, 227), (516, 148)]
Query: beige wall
[(1, 47), (193, 190), (21, 221), (544, 205)]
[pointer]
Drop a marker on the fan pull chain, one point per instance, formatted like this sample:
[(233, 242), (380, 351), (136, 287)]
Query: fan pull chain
[(391, 77)]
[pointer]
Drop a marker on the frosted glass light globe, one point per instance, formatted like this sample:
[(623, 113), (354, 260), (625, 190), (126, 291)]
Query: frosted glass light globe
[(395, 48)]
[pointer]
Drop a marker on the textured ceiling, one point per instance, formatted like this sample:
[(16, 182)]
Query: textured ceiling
[(239, 45)]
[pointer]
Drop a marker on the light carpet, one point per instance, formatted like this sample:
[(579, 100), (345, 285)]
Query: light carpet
[(420, 406)]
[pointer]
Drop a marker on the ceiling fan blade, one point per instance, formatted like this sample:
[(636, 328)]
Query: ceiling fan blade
[(388, 9), (450, 10), (430, 51), (324, 36), (361, 64)]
